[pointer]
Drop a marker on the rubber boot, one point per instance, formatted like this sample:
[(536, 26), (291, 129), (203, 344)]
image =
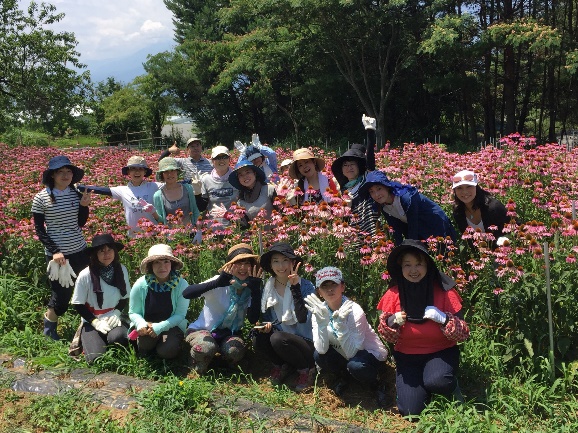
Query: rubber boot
[(457, 394), (50, 329)]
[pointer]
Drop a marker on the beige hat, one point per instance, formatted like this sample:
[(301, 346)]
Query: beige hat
[(301, 154), (160, 251), (167, 164), (239, 252), (193, 139), (286, 163), (219, 150), (137, 161)]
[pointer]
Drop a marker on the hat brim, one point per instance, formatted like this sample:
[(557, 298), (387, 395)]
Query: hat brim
[(77, 174), (117, 246), (265, 260), (294, 171), (234, 176), (159, 174), (149, 259), (464, 182), (148, 170), (238, 258), (337, 166)]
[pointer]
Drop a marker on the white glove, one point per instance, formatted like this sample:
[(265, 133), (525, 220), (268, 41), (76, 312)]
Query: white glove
[(317, 307), (255, 141), (239, 146), (101, 326), (114, 320), (198, 238), (146, 206), (340, 316), (52, 270), (197, 185), (368, 122), (218, 211), (399, 319), (65, 275), (501, 240), (435, 314)]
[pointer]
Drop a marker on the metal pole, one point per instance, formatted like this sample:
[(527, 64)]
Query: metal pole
[(549, 302)]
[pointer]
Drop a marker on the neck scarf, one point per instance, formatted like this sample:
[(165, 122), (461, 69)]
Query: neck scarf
[(414, 297), (223, 178), (350, 184), (270, 298), (323, 185), (251, 195), (235, 314), (331, 324), (154, 284), (111, 275)]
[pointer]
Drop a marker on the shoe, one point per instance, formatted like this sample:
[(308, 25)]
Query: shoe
[(381, 398), (279, 373), (50, 329), (306, 379), (340, 387)]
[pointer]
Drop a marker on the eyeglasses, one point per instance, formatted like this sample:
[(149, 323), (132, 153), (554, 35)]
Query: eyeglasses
[(349, 164), (219, 157), (468, 177)]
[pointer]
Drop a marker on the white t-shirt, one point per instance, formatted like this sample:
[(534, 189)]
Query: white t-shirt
[(129, 195), (396, 209)]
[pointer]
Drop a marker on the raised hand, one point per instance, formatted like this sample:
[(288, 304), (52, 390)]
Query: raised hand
[(368, 122), (294, 276), (86, 197), (317, 308)]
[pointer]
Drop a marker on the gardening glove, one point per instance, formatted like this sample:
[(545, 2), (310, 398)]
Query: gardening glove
[(501, 240), (255, 141), (399, 319), (218, 211), (101, 325), (318, 308), (198, 238), (114, 319), (239, 146), (197, 184), (52, 270), (435, 314), (146, 206), (368, 122), (65, 275), (340, 316)]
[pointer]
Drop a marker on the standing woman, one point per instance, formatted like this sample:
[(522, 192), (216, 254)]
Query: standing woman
[(345, 343), (174, 196), (316, 186), (254, 191), (350, 170), (422, 316), (59, 212), (157, 308), (100, 294), (284, 335), (477, 208)]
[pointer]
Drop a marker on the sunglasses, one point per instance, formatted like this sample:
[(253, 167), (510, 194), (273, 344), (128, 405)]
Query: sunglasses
[(218, 157), (468, 177)]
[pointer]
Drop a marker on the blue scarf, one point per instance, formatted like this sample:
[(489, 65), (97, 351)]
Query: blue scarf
[(352, 183), (235, 314), (154, 285)]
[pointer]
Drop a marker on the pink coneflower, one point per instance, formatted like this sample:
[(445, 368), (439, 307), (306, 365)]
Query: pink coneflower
[(498, 291), (366, 249), (340, 254), (571, 258), (367, 260), (385, 276), (309, 268)]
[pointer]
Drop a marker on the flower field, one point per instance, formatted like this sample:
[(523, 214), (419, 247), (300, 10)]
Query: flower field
[(504, 288)]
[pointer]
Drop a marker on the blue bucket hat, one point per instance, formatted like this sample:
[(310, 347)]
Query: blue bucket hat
[(234, 176), (380, 178), (58, 162)]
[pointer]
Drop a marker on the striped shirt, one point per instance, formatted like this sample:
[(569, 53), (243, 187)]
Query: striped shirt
[(367, 216), (61, 220), (194, 169)]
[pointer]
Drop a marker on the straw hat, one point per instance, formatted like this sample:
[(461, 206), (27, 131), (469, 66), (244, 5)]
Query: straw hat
[(137, 162), (300, 155), (159, 251), (239, 252)]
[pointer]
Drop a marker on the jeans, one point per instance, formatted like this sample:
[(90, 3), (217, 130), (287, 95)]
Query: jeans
[(363, 366)]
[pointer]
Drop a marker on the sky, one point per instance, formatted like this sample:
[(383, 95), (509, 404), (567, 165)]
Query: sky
[(113, 29)]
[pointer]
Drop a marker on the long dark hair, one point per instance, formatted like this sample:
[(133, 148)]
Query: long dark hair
[(95, 265), (480, 200), (50, 185)]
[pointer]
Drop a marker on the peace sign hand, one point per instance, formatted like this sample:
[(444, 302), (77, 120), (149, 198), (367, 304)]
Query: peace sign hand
[(86, 197), (257, 272), (294, 276)]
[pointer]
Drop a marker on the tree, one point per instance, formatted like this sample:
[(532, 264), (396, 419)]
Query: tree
[(38, 80)]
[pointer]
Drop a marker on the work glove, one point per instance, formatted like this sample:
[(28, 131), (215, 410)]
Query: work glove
[(52, 270), (399, 319), (239, 146), (435, 314), (218, 211), (318, 308), (340, 316), (255, 141), (65, 275), (101, 325), (146, 206), (198, 238), (368, 122), (197, 184), (501, 240), (114, 319)]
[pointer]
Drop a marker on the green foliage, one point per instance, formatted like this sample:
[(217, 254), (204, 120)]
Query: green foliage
[(22, 137)]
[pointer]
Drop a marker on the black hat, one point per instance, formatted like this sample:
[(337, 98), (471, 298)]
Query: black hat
[(394, 269), (101, 240), (58, 162), (355, 153), (278, 248), (234, 176)]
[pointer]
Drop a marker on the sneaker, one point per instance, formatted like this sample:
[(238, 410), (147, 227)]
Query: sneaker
[(340, 387), (279, 373), (306, 379)]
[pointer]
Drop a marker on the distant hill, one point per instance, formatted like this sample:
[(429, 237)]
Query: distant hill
[(124, 69)]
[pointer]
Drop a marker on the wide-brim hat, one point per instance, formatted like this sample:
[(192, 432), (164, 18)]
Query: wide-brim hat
[(239, 252), (286, 163), (101, 240), (136, 162), (277, 248), (167, 164), (355, 153), (300, 155), (160, 251), (234, 176), (464, 177), (252, 153), (394, 268), (58, 162)]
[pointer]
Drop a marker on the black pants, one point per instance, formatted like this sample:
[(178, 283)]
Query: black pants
[(285, 348), (60, 297)]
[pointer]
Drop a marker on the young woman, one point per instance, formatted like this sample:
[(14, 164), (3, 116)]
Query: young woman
[(174, 196), (411, 215), (100, 294), (227, 298), (306, 169), (254, 191), (350, 170), (157, 307), (284, 335), (136, 197), (422, 317), (345, 343), (477, 208), (59, 212)]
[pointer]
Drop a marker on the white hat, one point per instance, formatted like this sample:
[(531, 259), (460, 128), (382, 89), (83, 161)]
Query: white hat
[(193, 139), (160, 251), (219, 150), (328, 273), (464, 177), (286, 162)]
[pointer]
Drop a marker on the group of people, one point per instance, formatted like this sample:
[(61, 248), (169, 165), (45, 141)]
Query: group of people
[(301, 327)]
